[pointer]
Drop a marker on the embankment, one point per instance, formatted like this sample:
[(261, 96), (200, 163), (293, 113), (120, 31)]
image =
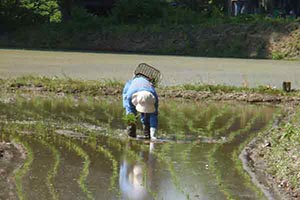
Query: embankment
[(255, 40)]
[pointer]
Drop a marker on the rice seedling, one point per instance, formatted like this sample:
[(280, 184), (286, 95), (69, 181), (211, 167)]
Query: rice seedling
[(227, 125), (212, 157), (115, 171), (85, 168), (213, 120), (266, 125), (23, 170), (163, 156), (53, 172)]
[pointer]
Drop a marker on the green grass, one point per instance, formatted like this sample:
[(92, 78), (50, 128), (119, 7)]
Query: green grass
[(281, 157), (112, 87), (61, 85), (230, 89)]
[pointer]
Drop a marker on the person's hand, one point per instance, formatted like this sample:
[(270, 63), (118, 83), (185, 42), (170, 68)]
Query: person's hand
[(152, 133)]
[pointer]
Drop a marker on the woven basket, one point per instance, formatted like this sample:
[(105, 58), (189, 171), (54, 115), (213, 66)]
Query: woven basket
[(149, 72)]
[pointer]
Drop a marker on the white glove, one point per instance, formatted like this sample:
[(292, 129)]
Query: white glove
[(152, 133)]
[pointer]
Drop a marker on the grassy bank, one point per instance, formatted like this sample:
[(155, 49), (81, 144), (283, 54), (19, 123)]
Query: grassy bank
[(281, 155), (114, 87)]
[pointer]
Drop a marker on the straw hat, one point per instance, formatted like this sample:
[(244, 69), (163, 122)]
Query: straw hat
[(144, 101)]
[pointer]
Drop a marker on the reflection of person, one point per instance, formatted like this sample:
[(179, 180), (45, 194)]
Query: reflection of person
[(139, 95), (131, 179)]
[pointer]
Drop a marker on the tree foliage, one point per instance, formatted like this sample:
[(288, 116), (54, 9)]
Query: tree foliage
[(133, 11), (19, 13)]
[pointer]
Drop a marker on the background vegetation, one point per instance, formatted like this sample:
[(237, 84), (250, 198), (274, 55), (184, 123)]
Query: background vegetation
[(193, 27)]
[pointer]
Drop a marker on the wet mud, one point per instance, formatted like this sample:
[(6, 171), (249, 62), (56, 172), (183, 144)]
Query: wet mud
[(12, 156)]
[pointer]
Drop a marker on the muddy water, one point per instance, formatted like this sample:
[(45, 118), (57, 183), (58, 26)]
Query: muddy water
[(194, 157), (176, 69)]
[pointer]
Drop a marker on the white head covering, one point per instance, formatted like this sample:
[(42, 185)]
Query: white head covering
[(144, 102)]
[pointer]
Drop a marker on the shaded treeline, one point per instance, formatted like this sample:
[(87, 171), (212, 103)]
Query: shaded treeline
[(16, 14)]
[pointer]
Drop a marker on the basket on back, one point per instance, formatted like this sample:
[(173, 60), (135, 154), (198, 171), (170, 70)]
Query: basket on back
[(148, 71)]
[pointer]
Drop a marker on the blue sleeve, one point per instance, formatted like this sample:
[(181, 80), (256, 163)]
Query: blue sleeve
[(125, 93), (129, 107)]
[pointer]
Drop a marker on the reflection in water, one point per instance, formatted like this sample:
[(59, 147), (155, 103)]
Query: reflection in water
[(131, 180), (174, 170)]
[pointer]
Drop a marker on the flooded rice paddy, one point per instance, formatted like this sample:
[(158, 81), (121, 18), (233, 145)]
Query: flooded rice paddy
[(177, 70), (77, 149)]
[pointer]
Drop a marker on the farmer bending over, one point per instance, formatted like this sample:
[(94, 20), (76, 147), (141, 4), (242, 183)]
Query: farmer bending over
[(139, 95)]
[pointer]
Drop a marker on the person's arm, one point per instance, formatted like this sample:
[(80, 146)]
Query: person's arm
[(129, 107), (124, 94)]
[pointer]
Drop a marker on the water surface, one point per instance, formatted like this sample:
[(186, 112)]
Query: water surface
[(177, 70), (79, 150)]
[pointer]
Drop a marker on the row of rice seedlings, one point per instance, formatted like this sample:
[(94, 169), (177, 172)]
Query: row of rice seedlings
[(37, 131), (212, 162), (43, 138), (40, 127), (217, 173), (162, 156), (115, 144), (71, 144), (24, 169), (239, 165), (181, 120), (177, 124), (246, 128), (49, 114), (53, 172), (227, 125), (200, 117), (194, 123), (213, 120), (92, 141), (197, 124), (184, 155), (171, 120), (83, 175), (66, 109), (174, 119)]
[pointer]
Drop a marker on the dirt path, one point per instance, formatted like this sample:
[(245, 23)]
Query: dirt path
[(176, 69)]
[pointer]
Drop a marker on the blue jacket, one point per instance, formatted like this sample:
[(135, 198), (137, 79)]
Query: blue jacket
[(136, 85)]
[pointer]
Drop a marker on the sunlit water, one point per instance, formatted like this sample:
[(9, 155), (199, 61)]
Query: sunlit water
[(79, 150), (175, 69)]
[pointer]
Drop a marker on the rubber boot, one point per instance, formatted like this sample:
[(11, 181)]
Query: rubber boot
[(131, 130), (146, 130)]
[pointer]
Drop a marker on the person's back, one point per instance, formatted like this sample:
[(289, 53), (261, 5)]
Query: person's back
[(139, 95)]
